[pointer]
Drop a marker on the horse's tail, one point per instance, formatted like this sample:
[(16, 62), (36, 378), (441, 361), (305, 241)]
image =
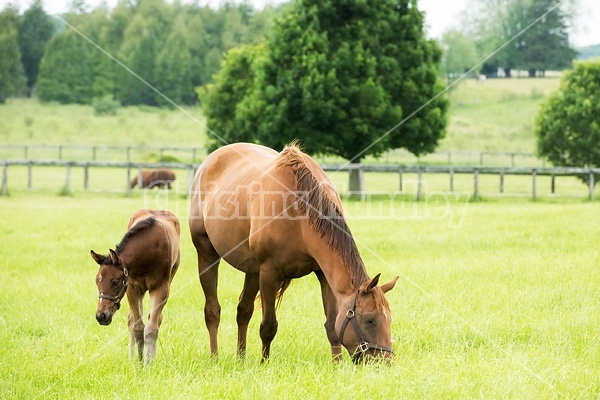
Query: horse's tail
[(280, 290), (133, 182)]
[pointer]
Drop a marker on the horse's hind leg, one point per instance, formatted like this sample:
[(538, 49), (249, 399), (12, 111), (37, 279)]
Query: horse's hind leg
[(158, 299), (208, 271), (245, 310), (135, 323)]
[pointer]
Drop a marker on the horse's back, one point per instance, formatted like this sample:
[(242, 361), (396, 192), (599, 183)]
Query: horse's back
[(168, 231)]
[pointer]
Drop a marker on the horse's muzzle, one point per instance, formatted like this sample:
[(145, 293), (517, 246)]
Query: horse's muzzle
[(103, 318)]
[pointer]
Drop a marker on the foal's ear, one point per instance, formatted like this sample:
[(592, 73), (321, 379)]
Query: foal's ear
[(114, 258), (97, 257), (367, 286), (386, 287)]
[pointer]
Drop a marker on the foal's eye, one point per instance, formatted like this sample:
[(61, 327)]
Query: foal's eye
[(114, 283)]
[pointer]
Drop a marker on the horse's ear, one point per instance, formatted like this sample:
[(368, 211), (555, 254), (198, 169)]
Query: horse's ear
[(97, 257), (367, 286), (114, 258), (386, 287)]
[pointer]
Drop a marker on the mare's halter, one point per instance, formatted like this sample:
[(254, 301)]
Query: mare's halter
[(363, 346), (117, 299)]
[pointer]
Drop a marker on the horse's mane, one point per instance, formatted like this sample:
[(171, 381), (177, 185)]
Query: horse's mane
[(324, 214), (144, 224)]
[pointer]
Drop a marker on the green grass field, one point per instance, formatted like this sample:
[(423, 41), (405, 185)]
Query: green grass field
[(495, 300)]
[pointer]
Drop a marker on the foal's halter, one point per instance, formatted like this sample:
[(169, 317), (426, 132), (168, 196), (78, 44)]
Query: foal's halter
[(117, 299), (363, 346)]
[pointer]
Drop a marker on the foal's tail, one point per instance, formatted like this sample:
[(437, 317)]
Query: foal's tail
[(281, 288)]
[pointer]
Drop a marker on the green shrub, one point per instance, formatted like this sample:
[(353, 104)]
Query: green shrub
[(106, 105)]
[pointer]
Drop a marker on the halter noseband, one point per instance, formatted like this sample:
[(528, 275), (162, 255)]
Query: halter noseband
[(363, 346), (117, 299)]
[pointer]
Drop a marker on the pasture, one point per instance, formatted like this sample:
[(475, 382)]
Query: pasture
[(502, 303)]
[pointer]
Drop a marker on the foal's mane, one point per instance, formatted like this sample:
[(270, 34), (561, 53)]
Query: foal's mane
[(324, 214), (143, 224)]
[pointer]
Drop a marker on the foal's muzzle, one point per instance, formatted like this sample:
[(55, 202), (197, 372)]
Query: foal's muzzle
[(103, 318)]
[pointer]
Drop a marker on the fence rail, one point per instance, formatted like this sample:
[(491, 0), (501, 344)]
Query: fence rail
[(591, 174), (197, 154)]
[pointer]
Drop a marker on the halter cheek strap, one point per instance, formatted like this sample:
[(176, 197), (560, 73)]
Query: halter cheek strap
[(117, 299), (363, 345)]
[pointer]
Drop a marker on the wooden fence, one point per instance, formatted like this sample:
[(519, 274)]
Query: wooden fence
[(418, 170), (197, 154)]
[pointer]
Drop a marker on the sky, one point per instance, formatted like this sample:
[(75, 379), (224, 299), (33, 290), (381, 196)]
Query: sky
[(440, 15)]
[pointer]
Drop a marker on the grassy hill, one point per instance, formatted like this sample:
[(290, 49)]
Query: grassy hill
[(497, 115)]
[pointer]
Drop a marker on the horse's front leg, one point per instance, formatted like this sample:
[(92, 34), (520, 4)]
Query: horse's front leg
[(158, 299), (268, 283), (331, 311), (135, 323)]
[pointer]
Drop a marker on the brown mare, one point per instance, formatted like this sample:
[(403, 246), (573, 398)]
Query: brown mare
[(276, 217), (145, 261), (154, 178)]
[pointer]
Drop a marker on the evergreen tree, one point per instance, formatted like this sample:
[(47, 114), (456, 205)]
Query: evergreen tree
[(142, 41), (545, 46), (12, 76), (66, 71), (339, 75), (174, 68), (34, 32)]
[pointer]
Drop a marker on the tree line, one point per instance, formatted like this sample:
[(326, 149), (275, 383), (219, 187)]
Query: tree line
[(103, 53), (528, 35)]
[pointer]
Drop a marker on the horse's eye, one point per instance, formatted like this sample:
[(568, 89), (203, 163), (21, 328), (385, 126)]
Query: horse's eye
[(370, 319), (114, 283)]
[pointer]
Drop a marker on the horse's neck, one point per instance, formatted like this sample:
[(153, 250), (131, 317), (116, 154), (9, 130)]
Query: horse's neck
[(336, 272)]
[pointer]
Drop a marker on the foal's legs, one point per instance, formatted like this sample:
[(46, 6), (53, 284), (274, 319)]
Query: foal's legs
[(135, 323), (208, 268), (245, 309), (158, 299), (331, 311)]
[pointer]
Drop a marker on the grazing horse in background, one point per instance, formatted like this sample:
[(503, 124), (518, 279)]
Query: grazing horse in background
[(154, 178), (145, 261), (276, 217)]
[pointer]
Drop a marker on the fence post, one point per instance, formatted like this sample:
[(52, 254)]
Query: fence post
[(476, 184), (190, 178), (553, 183), (452, 180), (86, 175), (128, 181), (4, 190), (68, 180), (592, 183), (533, 176), (501, 181), (140, 179), (419, 184), (401, 183), (29, 174)]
